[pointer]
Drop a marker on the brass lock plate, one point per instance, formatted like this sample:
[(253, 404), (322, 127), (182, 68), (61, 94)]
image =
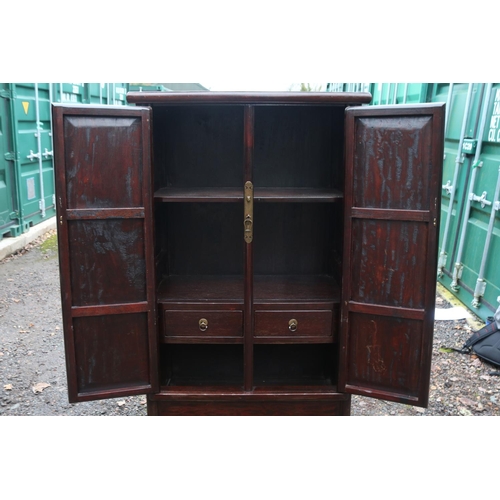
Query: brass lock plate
[(248, 212)]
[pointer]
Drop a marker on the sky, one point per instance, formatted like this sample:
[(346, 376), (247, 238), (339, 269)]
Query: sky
[(241, 46), (272, 86)]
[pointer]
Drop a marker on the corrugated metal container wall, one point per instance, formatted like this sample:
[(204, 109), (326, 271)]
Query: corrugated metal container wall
[(469, 245), (398, 93), (27, 194), (8, 185), (469, 263)]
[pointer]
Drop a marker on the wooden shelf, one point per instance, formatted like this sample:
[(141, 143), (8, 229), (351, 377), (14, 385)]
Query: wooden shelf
[(297, 195), (295, 288), (261, 194), (263, 390), (201, 289), (170, 194), (267, 289)]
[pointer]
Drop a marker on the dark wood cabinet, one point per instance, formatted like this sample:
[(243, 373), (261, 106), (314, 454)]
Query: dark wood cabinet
[(248, 253)]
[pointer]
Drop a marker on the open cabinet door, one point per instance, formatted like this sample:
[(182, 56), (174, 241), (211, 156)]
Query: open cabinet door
[(394, 160), (104, 212)]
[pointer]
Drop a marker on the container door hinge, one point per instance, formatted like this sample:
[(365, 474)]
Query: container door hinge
[(14, 215), (10, 156), (6, 94)]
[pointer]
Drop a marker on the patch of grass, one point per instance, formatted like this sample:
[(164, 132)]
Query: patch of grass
[(50, 244)]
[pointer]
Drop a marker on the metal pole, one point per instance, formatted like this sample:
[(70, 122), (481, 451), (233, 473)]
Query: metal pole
[(405, 97), (51, 97), (39, 154), (448, 108), (394, 101), (481, 283), (457, 271), (17, 159), (458, 162)]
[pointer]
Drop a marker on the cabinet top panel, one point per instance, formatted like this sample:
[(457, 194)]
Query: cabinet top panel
[(207, 97)]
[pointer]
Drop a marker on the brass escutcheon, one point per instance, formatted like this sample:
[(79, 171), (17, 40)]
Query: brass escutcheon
[(203, 324), (292, 325), (248, 213)]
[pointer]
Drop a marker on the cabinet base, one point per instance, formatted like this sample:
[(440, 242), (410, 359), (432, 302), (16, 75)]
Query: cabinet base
[(261, 401)]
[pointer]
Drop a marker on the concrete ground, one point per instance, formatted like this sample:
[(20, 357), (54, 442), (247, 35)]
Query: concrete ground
[(8, 246)]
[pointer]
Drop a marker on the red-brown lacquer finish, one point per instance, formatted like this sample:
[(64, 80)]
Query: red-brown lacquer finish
[(103, 169), (393, 168), (269, 401)]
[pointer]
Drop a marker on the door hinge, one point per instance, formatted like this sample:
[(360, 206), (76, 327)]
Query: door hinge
[(10, 156), (7, 94)]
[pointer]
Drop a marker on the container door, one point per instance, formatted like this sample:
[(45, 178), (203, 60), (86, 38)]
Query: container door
[(392, 204), (9, 214), (104, 204)]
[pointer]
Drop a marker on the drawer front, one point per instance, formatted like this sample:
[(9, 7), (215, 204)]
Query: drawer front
[(206, 324), (294, 324)]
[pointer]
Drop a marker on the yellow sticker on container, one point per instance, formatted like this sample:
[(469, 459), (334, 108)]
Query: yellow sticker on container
[(26, 106)]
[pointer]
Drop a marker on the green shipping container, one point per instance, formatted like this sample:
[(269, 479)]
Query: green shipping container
[(27, 156), (469, 264), (469, 244), (27, 194), (8, 185), (91, 93)]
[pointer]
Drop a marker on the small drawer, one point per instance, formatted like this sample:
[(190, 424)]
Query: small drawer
[(226, 324), (294, 324)]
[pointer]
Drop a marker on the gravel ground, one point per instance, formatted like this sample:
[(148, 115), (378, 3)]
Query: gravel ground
[(33, 373)]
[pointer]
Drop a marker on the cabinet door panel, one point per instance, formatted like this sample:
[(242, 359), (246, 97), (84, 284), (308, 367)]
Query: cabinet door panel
[(104, 202), (392, 202), (98, 249), (98, 340)]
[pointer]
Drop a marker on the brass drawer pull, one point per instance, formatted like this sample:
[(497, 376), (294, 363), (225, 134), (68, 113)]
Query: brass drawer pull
[(203, 324), (292, 325)]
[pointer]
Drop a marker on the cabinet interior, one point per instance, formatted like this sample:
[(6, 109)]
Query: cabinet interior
[(203, 155)]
